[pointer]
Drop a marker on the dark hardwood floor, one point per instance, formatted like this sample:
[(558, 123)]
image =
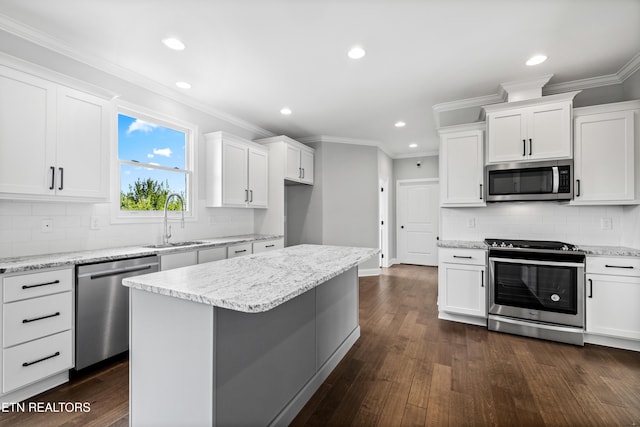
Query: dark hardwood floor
[(410, 369)]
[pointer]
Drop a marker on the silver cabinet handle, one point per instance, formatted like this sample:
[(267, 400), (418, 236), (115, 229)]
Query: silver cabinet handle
[(530, 146), (250, 196), (590, 289), (480, 191), (482, 279), (463, 257), (524, 147), (618, 266), (246, 195), (578, 189), (239, 252)]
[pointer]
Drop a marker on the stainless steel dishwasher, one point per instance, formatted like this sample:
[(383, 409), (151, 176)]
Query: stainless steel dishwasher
[(102, 307)]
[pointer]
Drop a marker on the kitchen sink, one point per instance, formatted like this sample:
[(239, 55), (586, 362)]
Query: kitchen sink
[(175, 244)]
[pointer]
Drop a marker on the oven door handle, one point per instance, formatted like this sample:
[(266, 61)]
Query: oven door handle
[(536, 262), (556, 179)]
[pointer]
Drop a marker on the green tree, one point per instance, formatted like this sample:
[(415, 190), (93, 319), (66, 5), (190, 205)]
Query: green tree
[(148, 195)]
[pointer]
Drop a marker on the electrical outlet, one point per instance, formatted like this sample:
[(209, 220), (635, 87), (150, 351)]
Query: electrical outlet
[(606, 224), (471, 223), (46, 226), (95, 223)]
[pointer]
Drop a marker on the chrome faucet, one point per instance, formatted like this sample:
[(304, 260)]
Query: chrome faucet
[(167, 228)]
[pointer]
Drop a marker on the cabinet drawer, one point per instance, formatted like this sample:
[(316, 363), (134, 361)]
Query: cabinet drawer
[(212, 254), (36, 360), (37, 284), (614, 266), (267, 245), (35, 318), (462, 256), (238, 250)]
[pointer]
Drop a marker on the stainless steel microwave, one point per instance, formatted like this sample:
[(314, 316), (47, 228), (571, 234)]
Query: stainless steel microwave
[(546, 180)]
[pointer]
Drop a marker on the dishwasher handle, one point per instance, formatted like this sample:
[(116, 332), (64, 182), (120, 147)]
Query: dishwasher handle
[(119, 271)]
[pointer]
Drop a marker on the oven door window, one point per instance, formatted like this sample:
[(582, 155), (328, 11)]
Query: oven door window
[(521, 181), (540, 287)]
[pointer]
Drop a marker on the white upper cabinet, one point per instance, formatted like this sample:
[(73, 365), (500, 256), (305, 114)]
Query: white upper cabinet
[(292, 157), (237, 172), (462, 166), (606, 154), (54, 140), (530, 130)]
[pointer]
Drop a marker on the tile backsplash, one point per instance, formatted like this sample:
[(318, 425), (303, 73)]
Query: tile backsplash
[(587, 225), (24, 230)]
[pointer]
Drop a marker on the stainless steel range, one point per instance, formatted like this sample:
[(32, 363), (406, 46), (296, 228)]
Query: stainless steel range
[(536, 289)]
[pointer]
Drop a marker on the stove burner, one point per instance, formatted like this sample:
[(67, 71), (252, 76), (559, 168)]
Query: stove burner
[(530, 244)]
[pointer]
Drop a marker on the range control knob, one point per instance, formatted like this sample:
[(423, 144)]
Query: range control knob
[(510, 245), (494, 244), (503, 245), (565, 247)]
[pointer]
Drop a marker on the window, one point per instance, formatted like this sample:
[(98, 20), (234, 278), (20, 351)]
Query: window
[(155, 159)]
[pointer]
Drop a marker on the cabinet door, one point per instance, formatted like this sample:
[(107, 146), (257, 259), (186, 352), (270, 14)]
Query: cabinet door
[(604, 157), (507, 136), (461, 289), (82, 150), (549, 131), (235, 191), (611, 307), (292, 163), (177, 260), (27, 133), (258, 178), (306, 164), (462, 169)]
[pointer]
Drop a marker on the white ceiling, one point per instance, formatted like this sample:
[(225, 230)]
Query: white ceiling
[(250, 58)]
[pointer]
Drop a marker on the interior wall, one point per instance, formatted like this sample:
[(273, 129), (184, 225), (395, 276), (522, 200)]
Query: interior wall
[(631, 87), (385, 173), (350, 196), (20, 222)]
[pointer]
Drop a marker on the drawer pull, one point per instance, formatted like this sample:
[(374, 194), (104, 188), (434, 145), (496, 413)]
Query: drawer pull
[(463, 257), (239, 252), (57, 313), (57, 353), (55, 282), (618, 266), (270, 246)]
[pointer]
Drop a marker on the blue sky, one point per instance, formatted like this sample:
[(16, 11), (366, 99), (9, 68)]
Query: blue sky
[(149, 143)]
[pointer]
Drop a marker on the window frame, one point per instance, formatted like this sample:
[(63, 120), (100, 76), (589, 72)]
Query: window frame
[(191, 189)]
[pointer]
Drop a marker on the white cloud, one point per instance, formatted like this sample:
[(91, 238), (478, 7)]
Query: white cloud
[(142, 126), (166, 152), (150, 156)]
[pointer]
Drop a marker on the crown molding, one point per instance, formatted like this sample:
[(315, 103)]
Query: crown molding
[(629, 68), (588, 83), (42, 39)]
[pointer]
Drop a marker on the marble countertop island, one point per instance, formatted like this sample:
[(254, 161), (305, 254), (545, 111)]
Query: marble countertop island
[(254, 283)]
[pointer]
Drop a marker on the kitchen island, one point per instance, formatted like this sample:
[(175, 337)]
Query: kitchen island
[(243, 341)]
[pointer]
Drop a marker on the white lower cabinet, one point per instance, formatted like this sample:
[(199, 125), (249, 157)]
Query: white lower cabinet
[(212, 254), (239, 250), (612, 295), (37, 332), (462, 285), (267, 245), (177, 260)]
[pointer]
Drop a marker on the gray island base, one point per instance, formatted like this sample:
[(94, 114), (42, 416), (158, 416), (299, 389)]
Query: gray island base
[(244, 341)]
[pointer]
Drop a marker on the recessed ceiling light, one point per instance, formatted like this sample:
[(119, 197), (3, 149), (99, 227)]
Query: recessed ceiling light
[(173, 43), (400, 124), (356, 52), (537, 59), (183, 85), (285, 111), (414, 145)]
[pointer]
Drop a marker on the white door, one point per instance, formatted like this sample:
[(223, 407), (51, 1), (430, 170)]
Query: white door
[(417, 222)]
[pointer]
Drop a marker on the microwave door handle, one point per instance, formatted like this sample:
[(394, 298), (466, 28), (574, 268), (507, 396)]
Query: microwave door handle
[(556, 179)]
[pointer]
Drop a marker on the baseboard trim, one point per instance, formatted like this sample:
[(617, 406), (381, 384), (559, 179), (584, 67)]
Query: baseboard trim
[(365, 272)]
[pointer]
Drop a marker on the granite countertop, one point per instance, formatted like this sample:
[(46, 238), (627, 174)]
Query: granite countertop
[(254, 283), (462, 244), (17, 264), (587, 249), (609, 250)]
